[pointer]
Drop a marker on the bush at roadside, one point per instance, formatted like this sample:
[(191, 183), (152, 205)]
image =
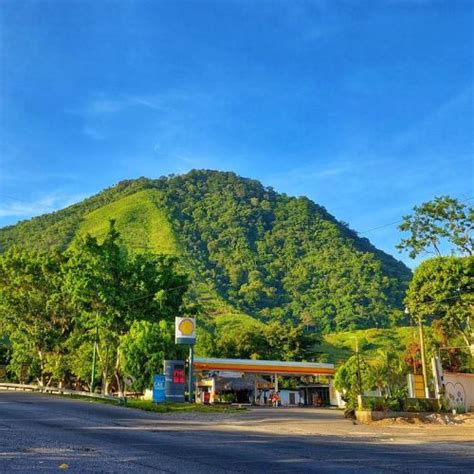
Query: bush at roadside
[(402, 404)]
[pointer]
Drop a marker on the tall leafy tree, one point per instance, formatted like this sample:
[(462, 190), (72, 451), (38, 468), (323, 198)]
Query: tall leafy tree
[(352, 379), (35, 313), (112, 289), (290, 342), (245, 337), (144, 349), (444, 219), (388, 372), (443, 288)]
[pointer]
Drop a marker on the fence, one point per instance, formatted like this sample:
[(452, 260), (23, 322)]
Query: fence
[(59, 391)]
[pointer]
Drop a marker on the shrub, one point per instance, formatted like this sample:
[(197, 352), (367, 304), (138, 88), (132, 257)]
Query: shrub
[(421, 405), (401, 404)]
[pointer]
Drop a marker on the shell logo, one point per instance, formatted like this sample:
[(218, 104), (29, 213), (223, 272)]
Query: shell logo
[(186, 327), (185, 330)]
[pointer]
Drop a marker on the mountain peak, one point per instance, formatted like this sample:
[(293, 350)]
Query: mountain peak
[(248, 248)]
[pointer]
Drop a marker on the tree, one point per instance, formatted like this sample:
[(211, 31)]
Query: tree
[(112, 289), (413, 357), (52, 304), (388, 373), (241, 337), (444, 332), (34, 311), (352, 379), (290, 342), (144, 348), (442, 219), (443, 288)]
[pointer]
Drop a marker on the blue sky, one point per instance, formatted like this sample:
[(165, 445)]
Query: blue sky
[(364, 106)]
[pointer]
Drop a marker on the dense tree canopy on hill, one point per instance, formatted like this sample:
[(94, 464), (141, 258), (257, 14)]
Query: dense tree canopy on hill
[(256, 251)]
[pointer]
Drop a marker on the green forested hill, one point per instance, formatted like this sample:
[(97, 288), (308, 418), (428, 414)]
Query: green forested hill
[(247, 248)]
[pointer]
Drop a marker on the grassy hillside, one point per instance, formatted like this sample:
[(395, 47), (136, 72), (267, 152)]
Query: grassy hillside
[(141, 223), (57, 229), (372, 342)]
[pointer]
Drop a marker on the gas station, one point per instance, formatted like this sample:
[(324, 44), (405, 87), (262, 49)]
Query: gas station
[(253, 381), (242, 381)]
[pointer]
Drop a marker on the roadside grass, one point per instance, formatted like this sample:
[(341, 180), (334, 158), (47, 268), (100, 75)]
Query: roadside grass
[(168, 407), (148, 405)]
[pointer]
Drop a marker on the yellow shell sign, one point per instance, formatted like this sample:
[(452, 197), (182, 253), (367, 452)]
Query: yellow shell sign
[(185, 332), (186, 327)]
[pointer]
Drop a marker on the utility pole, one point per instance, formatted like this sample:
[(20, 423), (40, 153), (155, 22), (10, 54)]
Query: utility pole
[(423, 360), (94, 354), (389, 388), (359, 375)]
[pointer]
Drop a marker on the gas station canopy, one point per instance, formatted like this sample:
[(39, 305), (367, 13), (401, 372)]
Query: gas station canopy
[(276, 367)]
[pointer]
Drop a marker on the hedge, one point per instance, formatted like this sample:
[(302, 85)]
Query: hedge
[(402, 404)]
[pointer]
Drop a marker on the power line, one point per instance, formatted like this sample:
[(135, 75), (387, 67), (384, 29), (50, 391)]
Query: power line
[(461, 293), (380, 227), (357, 232), (400, 221)]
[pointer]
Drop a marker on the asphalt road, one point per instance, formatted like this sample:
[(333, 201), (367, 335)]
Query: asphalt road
[(40, 432)]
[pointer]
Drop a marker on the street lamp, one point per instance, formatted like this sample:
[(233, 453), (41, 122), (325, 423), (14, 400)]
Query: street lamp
[(423, 360)]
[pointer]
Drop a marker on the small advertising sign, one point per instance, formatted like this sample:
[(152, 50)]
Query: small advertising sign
[(419, 386), (159, 388), (185, 330)]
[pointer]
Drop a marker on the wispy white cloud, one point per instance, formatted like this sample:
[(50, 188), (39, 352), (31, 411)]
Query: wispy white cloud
[(100, 113), (432, 121), (108, 106), (102, 105), (414, 2), (154, 102), (312, 20), (10, 176), (13, 207), (334, 170), (93, 132), (178, 162)]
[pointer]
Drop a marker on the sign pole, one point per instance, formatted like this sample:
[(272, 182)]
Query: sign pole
[(190, 373), (185, 333)]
